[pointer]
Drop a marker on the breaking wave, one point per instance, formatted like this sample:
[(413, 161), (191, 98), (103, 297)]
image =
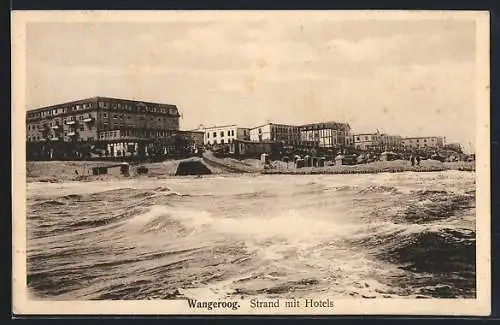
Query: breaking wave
[(257, 236)]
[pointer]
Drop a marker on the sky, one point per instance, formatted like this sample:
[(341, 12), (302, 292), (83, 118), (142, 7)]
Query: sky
[(404, 77)]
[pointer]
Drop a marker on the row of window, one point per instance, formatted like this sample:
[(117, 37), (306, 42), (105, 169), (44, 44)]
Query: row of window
[(61, 110), (103, 105), (132, 133), (138, 107), (418, 140), (221, 141), (280, 129), (58, 121), (128, 117), (230, 133)]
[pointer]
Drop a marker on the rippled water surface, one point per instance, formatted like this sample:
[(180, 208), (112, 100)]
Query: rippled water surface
[(360, 236)]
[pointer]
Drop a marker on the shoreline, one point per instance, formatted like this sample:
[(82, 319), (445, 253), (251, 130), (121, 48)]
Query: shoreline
[(59, 172)]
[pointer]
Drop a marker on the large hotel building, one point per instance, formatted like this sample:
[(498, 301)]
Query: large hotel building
[(118, 124)]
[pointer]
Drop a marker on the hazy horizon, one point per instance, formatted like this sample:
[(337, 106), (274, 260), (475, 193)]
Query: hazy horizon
[(408, 78)]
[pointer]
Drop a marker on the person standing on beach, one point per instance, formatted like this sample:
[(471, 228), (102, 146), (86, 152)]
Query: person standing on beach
[(418, 160), (412, 159)]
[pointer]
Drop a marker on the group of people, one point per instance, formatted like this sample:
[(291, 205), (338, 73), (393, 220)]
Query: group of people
[(415, 158)]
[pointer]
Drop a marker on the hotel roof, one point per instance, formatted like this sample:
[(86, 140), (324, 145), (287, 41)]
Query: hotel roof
[(98, 98)]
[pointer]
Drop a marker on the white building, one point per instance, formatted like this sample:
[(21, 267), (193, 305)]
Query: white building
[(380, 141), (423, 142), (224, 134), (287, 134)]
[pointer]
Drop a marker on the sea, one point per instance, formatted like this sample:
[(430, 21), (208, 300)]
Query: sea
[(388, 235)]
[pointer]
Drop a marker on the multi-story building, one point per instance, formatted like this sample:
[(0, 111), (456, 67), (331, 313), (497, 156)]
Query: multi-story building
[(391, 142), (288, 135), (366, 141), (332, 135), (118, 124), (423, 142), (224, 134), (377, 141)]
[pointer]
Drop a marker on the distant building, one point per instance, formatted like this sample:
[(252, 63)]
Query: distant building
[(193, 137), (367, 141), (391, 142), (288, 135), (453, 146), (423, 142), (331, 135), (224, 134), (253, 148), (377, 141)]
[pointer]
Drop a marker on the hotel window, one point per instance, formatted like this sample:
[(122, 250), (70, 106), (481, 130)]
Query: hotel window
[(215, 134), (221, 134), (208, 134)]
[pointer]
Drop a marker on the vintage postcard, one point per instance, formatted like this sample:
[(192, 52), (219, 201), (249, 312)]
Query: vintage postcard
[(251, 162)]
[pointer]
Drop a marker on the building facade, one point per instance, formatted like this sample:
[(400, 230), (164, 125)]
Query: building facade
[(377, 141), (119, 125), (288, 135), (391, 142), (423, 142), (366, 141), (220, 135), (331, 135), (254, 148)]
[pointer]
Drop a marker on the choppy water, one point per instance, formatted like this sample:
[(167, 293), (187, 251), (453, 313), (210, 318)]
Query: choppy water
[(381, 235)]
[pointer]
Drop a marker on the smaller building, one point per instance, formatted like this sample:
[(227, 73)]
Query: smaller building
[(254, 149), (377, 141), (289, 135), (423, 142), (367, 141), (220, 135)]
